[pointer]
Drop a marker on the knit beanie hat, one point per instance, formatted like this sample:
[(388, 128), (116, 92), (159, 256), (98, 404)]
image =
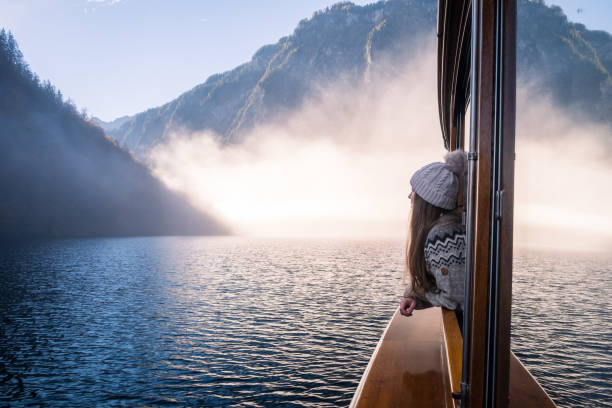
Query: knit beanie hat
[(438, 183)]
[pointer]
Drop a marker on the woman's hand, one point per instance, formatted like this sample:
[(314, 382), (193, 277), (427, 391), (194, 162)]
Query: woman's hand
[(407, 306)]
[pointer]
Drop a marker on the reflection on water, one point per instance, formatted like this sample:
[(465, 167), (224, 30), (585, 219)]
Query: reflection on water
[(561, 324), (231, 321)]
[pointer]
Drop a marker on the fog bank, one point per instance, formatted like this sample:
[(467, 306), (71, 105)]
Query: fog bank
[(563, 179), (341, 165)]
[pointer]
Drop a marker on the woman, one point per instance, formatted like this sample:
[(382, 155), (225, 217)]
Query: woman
[(435, 255)]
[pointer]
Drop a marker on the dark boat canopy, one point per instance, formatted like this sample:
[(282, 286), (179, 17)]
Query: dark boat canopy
[(454, 29)]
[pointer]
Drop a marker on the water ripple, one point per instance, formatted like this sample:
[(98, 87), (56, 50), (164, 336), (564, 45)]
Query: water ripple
[(180, 321), (561, 327)]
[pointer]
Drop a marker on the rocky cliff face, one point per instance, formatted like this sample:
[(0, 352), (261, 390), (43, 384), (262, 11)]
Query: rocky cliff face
[(344, 41), (564, 60), (350, 43)]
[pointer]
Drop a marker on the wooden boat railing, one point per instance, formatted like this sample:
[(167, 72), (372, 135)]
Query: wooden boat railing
[(410, 354), (407, 368), (417, 363), (452, 352)]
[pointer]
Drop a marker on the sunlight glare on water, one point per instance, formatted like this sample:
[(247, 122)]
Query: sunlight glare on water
[(191, 321)]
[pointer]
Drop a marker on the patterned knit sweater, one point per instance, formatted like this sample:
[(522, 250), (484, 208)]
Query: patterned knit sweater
[(445, 259)]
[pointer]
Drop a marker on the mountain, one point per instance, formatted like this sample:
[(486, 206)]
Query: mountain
[(347, 42), (342, 42), (112, 125), (565, 61), (61, 176)]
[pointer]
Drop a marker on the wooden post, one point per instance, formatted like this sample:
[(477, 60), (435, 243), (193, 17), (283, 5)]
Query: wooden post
[(507, 127), (490, 310)]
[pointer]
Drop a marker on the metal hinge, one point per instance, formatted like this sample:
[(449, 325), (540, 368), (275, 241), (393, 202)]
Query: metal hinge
[(499, 199), (463, 395)]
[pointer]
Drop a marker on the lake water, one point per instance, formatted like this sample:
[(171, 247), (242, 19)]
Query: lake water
[(196, 321)]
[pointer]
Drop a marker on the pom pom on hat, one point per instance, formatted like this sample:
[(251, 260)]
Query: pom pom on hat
[(456, 161)]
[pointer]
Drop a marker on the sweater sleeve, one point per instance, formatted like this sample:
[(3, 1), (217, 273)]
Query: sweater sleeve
[(422, 302), (445, 257)]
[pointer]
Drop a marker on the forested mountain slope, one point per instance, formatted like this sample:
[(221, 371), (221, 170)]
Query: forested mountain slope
[(61, 176)]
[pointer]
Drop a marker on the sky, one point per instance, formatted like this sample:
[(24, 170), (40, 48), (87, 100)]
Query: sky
[(121, 57)]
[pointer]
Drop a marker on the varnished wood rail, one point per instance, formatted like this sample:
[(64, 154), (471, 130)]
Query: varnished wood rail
[(453, 351), (417, 363), (406, 369)]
